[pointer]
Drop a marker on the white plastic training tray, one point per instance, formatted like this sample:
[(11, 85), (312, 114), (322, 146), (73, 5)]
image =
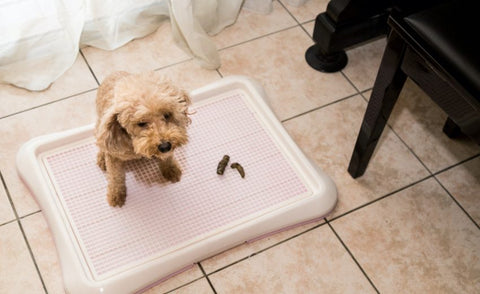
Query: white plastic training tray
[(164, 228)]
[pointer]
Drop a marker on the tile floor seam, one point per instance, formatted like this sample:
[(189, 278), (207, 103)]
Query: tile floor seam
[(48, 103), (29, 214), (352, 256), (9, 197), (173, 64), (21, 217), (292, 16), (89, 67), (409, 148), (308, 21), (257, 38), (182, 285), (154, 69), (231, 264), (309, 35), (8, 222), (206, 277), (351, 83), (456, 164), (458, 203), (319, 107), (418, 158), (32, 256), (380, 198), (17, 220), (90, 90), (364, 92), (267, 248)]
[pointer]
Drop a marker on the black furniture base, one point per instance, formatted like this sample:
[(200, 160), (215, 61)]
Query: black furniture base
[(451, 129), (441, 59), (332, 62), (347, 23)]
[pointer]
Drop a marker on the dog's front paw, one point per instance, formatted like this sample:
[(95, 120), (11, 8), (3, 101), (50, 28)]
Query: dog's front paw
[(173, 173), (117, 196)]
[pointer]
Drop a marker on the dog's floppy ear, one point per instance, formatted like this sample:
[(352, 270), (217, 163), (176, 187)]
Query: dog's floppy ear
[(111, 134), (185, 101)]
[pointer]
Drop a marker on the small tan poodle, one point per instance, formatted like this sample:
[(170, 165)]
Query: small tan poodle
[(139, 116)]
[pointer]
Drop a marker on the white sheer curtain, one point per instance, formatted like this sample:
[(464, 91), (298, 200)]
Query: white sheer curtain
[(40, 39)]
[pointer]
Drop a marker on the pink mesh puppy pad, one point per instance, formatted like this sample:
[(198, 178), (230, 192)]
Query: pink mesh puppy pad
[(164, 227)]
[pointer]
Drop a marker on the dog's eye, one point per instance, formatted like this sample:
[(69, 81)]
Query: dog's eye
[(167, 116), (142, 124)]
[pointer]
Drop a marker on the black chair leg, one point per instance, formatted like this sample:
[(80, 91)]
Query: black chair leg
[(451, 129), (388, 84)]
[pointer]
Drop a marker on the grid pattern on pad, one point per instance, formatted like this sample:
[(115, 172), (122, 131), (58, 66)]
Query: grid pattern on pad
[(159, 215)]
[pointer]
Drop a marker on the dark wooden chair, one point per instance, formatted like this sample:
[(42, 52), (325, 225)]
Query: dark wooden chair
[(438, 49)]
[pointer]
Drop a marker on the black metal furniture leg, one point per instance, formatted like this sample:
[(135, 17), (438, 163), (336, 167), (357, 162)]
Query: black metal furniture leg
[(451, 129), (388, 84)]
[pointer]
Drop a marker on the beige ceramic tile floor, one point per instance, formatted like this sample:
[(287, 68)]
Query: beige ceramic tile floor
[(409, 225)]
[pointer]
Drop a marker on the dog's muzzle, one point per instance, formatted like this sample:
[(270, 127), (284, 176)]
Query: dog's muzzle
[(164, 147)]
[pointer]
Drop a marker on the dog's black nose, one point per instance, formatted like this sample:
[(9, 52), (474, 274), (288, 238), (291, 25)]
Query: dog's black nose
[(165, 147)]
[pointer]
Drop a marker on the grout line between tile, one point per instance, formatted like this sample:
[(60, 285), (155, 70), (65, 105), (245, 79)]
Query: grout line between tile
[(351, 83), (8, 222), (456, 164), (458, 203), (48, 103), (257, 38), (436, 173), (233, 263), (309, 21), (379, 199), (288, 11), (319, 107), (21, 217), (206, 277), (251, 40), (17, 220), (7, 192), (364, 92), (183, 285), (267, 248), (353, 257), (173, 64), (301, 24), (29, 214), (89, 67), (409, 149)]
